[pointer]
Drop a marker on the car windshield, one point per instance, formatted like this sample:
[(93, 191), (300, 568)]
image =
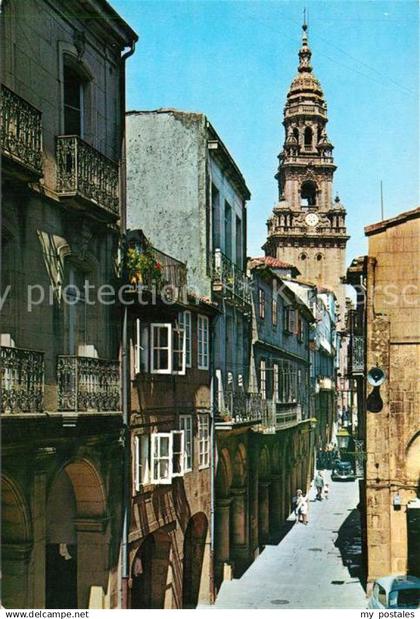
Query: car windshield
[(405, 598)]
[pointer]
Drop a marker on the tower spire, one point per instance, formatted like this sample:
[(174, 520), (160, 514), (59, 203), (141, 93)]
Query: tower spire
[(304, 52)]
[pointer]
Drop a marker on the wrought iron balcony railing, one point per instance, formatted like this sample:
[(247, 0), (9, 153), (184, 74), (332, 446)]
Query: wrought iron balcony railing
[(357, 344), (85, 172), (21, 131), (243, 407), (230, 279), (22, 380), (88, 384), (173, 271)]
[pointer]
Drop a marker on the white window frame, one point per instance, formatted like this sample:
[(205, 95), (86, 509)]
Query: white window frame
[(142, 471), (186, 425), (141, 348), (263, 381), (178, 351), (158, 326), (276, 382), (179, 454), (204, 440), (170, 348), (203, 340), (184, 319)]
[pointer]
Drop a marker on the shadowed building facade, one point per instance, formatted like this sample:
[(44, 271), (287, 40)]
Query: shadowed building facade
[(61, 140), (386, 336)]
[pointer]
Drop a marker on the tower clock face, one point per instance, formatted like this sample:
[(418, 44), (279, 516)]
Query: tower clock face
[(312, 219)]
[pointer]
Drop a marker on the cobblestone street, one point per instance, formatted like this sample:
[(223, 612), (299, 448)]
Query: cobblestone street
[(314, 566)]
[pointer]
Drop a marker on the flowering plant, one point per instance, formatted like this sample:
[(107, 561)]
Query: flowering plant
[(142, 267)]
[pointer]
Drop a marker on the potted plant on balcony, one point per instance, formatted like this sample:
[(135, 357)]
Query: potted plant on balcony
[(143, 268)]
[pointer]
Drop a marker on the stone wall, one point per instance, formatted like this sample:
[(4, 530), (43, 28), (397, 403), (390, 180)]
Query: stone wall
[(393, 444)]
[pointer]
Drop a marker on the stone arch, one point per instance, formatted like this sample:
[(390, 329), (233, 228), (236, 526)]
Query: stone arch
[(77, 545), (149, 571), (194, 548), (224, 475), (308, 137), (308, 193), (15, 515), (239, 466), (412, 459), (16, 536)]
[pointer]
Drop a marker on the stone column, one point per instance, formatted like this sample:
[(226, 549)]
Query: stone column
[(253, 505), (238, 522), (222, 524), (92, 557), (264, 511), (43, 459), (15, 563), (276, 516)]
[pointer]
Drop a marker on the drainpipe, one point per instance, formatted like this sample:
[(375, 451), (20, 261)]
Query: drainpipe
[(125, 387), (213, 448)]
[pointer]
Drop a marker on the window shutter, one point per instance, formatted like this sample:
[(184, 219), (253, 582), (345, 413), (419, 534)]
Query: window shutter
[(177, 453), (178, 351), (137, 463), (137, 347)]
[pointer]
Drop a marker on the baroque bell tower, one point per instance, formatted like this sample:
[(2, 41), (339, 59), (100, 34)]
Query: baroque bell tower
[(307, 226)]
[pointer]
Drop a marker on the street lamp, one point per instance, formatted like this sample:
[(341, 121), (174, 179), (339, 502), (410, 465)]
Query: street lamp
[(343, 438)]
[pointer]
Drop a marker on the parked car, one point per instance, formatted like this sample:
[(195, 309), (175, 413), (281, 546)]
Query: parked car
[(343, 471), (395, 592)]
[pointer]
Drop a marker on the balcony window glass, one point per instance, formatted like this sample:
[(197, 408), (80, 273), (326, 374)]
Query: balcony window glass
[(161, 349), (73, 102), (161, 458), (177, 445), (263, 380), (261, 303), (185, 424), (228, 230), (142, 460), (274, 310), (275, 382), (238, 242), (204, 438), (184, 321), (215, 206), (203, 343), (167, 349)]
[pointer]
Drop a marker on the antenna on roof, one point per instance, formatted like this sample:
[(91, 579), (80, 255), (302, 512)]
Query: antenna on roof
[(305, 24)]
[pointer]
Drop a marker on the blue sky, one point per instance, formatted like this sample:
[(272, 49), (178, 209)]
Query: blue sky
[(234, 61)]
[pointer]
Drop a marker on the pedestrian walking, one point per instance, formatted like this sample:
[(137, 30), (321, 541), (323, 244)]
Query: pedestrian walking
[(304, 509), (319, 485), (326, 490), (298, 500)]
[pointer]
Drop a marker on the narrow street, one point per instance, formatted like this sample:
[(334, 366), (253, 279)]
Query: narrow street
[(313, 566)]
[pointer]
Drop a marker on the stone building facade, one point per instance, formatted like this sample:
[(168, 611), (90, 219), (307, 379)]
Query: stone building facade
[(307, 226), (62, 107), (200, 189), (391, 501), (171, 442)]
